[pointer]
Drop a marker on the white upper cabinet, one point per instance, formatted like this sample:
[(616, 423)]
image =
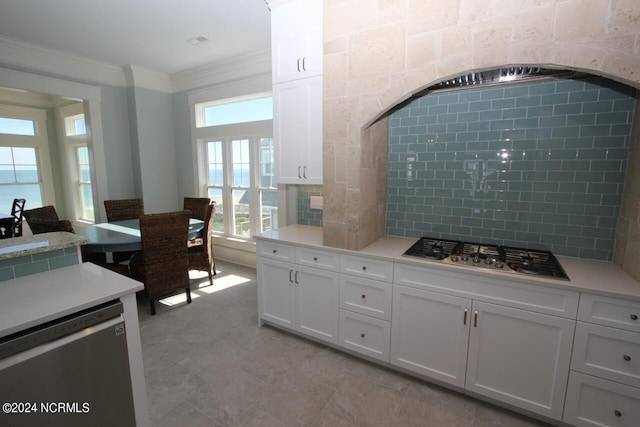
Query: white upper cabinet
[(296, 40)]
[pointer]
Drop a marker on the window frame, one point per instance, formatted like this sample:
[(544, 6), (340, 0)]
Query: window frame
[(39, 142), (72, 142)]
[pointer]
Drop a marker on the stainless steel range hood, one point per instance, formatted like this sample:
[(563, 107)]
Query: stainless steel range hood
[(500, 75)]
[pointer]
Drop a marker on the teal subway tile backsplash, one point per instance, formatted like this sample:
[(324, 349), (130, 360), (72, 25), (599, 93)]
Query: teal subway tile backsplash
[(540, 165), (306, 215)]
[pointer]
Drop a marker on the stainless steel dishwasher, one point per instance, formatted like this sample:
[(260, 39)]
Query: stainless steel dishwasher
[(73, 371)]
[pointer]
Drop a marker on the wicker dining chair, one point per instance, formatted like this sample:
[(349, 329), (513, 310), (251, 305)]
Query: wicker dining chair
[(163, 264), (45, 220), (119, 210), (200, 250)]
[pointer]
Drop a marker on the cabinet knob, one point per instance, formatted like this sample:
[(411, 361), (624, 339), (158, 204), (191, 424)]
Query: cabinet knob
[(275, 251), (626, 357), (617, 413), (364, 268), (315, 258), (362, 335), (633, 316)]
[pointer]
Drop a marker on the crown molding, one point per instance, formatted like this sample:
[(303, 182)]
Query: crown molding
[(240, 67), (59, 63), (148, 79)]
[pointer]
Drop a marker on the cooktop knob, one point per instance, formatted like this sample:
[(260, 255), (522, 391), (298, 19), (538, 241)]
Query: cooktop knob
[(465, 257), (476, 260), (454, 258), (498, 264), (488, 260)]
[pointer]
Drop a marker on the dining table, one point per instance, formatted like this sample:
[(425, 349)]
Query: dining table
[(123, 236)]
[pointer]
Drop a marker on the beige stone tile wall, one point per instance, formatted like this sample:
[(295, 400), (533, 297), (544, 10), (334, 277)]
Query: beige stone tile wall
[(378, 53)]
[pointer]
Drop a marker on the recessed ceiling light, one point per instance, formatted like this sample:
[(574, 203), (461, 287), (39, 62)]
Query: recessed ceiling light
[(198, 40)]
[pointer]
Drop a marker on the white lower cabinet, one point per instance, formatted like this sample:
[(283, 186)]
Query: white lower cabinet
[(593, 401), (430, 333), (297, 297), (520, 357)]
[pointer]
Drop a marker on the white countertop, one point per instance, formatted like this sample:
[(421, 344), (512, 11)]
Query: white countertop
[(27, 245), (586, 275), (32, 300)]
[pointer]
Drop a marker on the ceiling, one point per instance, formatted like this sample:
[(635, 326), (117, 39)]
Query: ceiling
[(151, 34)]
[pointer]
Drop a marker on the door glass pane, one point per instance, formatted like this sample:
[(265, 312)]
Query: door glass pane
[(241, 222), (240, 162), (215, 194), (267, 167), (268, 210), (215, 163)]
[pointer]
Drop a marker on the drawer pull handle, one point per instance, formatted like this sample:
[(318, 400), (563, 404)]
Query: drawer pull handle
[(617, 413), (626, 357), (364, 268), (362, 335), (634, 317), (363, 296)]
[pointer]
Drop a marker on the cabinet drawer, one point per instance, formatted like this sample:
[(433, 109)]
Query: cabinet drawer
[(593, 401), (367, 267), (607, 352), (275, 250), (318, 258), (365, 335), (366, 296), (607, 311)]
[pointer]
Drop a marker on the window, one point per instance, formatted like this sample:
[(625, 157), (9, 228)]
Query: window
[(25, 167), (78, 164), (237, 171), (19, 176)]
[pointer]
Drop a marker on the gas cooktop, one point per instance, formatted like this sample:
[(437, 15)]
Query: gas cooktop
[(499, 258)]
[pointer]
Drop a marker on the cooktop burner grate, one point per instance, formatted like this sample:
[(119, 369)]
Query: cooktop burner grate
[(495, 257)]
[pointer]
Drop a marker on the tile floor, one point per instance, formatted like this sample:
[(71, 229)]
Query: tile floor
[(210, 364)]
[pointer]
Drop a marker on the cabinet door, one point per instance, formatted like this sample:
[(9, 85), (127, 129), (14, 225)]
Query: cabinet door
[(276, 292), (318, 294), (297, 131), (296, 40), (430, 333), (287, 104), (520, 357), (312, 131)]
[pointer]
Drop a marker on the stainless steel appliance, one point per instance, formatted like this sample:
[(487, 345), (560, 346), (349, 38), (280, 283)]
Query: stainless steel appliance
[(494, 257), (73, 371)]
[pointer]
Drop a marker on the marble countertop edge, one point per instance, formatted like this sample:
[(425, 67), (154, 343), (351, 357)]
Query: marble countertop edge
[(38, 243)]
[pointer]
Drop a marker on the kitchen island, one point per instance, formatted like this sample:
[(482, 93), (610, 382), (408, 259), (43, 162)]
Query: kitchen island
[(21, 256), (557, 350), (43, 298)]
